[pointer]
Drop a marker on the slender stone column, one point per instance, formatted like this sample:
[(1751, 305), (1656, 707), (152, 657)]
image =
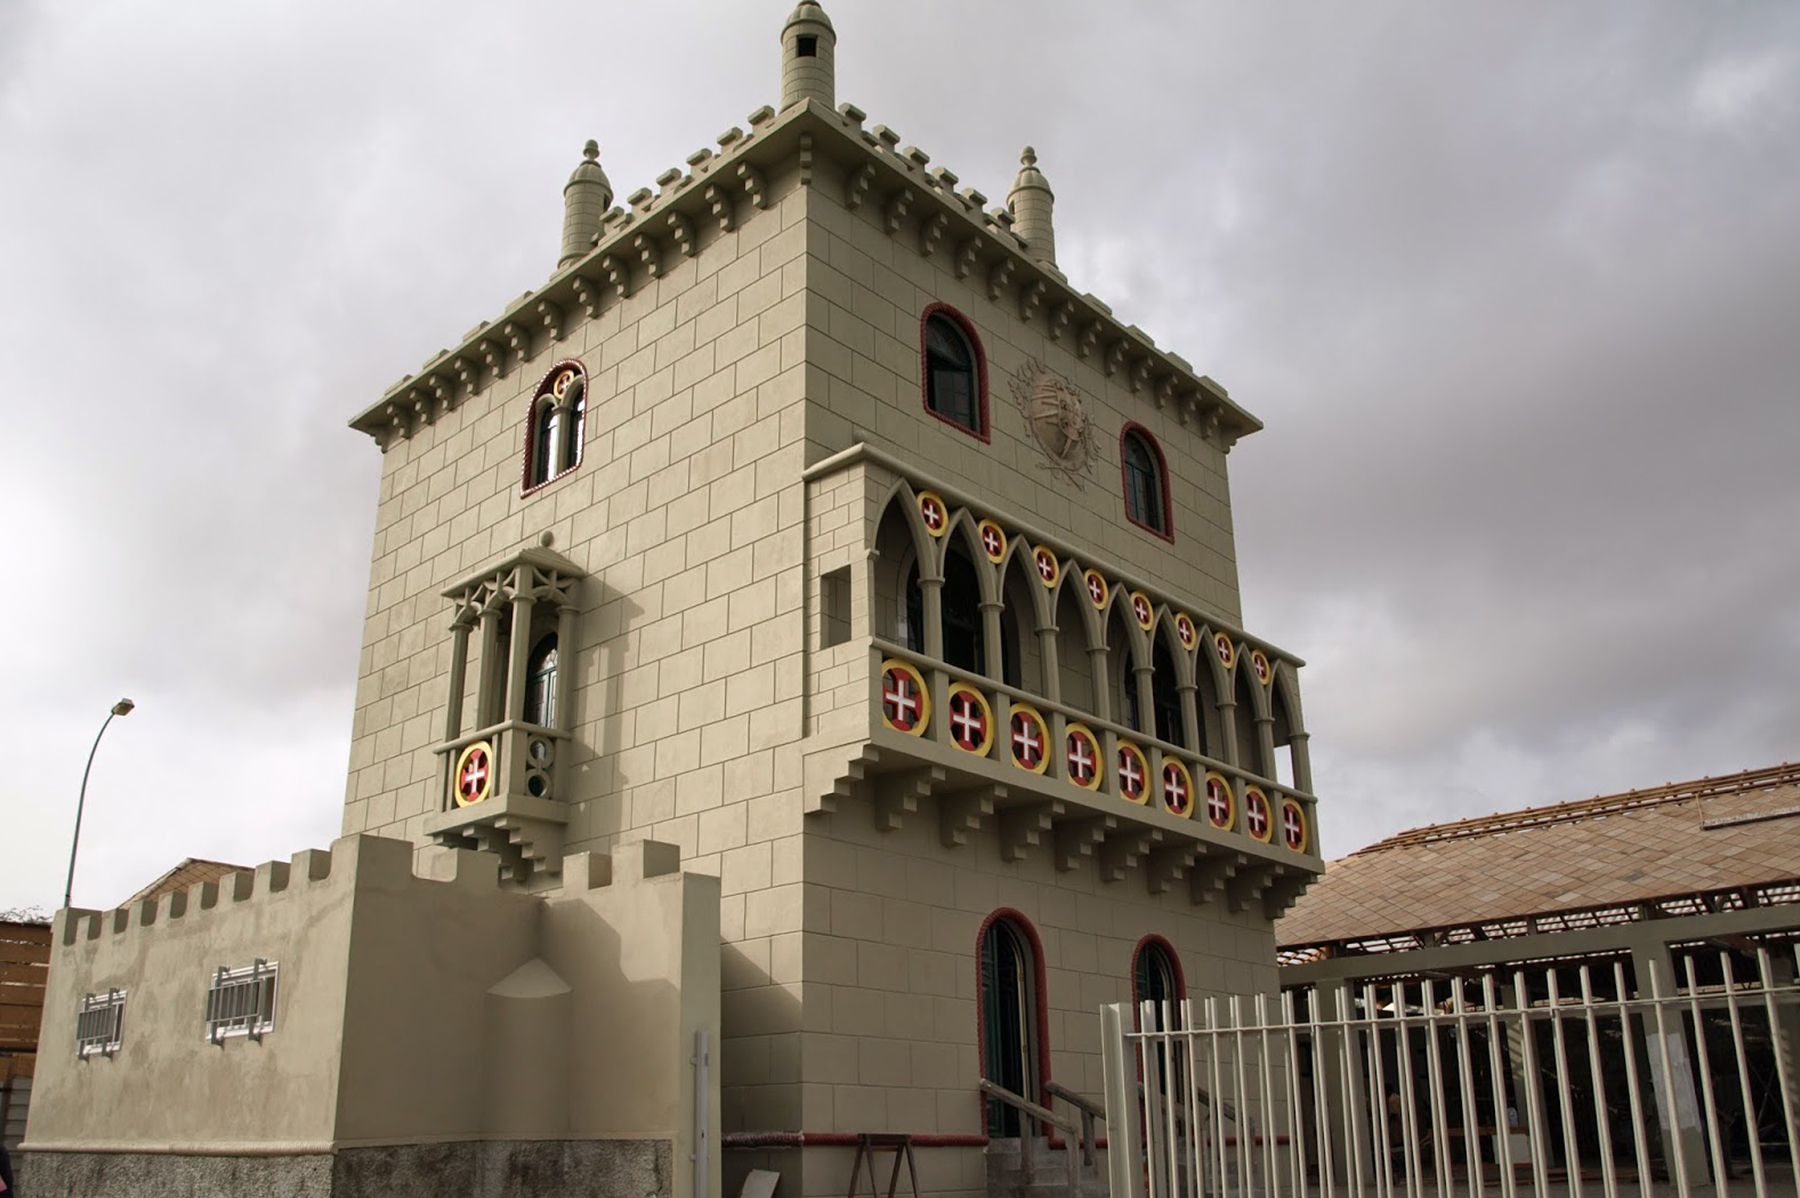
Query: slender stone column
[(459, 667), (1190, 716), (1140, 679), (992, 651), (1051, 656), (487, 703), (1102, 672), (931, 590), (1228, 732)]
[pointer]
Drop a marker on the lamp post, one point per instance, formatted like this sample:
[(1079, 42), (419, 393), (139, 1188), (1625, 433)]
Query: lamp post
[(122, 707)]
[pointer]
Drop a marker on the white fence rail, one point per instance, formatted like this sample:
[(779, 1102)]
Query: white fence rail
[(1573, 1079)]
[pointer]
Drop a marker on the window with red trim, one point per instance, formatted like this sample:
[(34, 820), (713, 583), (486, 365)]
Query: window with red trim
[(1010, 1005), (1146, 478), (557, 427), (953, 371)]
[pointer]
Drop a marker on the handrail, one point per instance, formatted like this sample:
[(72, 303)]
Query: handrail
[(1056, 1089), (1146, 740), (1081, 1132)]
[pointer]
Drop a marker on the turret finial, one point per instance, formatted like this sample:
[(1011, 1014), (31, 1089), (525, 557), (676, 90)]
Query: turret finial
[(591, 151), (1030, 202), (586, 197), (1028, 158)]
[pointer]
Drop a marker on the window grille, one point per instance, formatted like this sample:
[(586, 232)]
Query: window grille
[(100, 1024), (241, 1002)]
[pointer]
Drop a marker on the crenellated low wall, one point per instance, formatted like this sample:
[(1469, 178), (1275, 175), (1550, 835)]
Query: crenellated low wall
[(420, 1024)]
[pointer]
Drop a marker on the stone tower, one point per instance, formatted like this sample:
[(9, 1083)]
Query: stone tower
[(809, 520)]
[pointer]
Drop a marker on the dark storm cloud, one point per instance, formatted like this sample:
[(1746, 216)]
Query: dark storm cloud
[(1513, 287)]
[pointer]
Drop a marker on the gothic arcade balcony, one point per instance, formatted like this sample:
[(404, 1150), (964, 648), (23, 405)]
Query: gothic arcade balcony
[(972, 668)]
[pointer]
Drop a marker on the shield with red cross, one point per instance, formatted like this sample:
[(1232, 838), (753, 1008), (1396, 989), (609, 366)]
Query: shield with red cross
[(1218, 800), (905, 704), (1257, 819), (1222, 646), (1048, 568), (1030, 738), (993, 541), (474, 777), (1142, 610), (1259, 665), (1184, 628), (1096, 586), (1293, 826), (934, 513), (971, 720), (1081, 757), (1177, 788), (1134, 773)]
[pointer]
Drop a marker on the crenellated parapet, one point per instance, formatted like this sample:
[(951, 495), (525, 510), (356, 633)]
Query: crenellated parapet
[(869, 169), (352, 863)]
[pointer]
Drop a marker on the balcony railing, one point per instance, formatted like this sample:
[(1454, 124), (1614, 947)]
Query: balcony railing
[(500, 792)]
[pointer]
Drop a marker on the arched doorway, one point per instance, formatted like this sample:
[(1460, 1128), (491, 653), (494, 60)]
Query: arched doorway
[(1010, 1032)]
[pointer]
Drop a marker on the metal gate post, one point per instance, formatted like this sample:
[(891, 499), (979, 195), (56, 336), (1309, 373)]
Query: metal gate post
[(1124, 1154)]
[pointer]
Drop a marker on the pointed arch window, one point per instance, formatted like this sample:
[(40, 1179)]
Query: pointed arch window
[(1165, 697), (954, 370), (557, 429), (1146, 480), (964, 646), (540, 683)]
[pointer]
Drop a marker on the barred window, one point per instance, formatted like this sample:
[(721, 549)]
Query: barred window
[(100, 1024), (241, 1002)]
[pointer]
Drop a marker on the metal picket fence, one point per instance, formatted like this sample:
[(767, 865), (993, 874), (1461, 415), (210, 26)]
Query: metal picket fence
[(1549, 1080)]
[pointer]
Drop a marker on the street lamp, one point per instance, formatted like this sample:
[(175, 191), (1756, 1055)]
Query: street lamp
[(122, 707)]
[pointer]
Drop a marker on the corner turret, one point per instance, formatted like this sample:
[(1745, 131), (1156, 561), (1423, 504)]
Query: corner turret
[(808, 57), (586, 198), (1030, 202)]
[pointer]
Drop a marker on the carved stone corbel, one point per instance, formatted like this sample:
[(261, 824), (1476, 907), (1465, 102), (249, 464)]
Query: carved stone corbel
[(962, 812), (1163, 867), (1121, 851), (720, 199), (1030, 296), (1211, 873), (649, 253), (930, 231), (617, 275), (1090, 337), (754, 185), (999, 277), (587, 293), (1022, 828), (494, 354), (445, 393), (895, 212), (1115, 357), (1059, 319), (552, 316), (518, 336), (806, 160), (966, 256), (467, 372), (682, 229), (1076, 838), (896, 796), (857, 185), (1140, 374)]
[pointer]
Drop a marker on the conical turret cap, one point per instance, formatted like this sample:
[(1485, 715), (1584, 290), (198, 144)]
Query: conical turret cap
[(808, 12)]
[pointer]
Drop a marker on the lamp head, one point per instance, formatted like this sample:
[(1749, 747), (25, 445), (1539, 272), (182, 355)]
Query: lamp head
[(123, 707)]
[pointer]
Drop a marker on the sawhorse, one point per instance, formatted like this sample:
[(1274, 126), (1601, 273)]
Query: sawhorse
[(867, 1145)]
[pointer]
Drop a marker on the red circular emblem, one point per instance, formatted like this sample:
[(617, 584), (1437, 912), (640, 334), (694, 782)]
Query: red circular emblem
[(971, 721), (1259, 663), (1293, 826), (1081, 756), (905, 705), (474, 774), (1177, 788), (1222, 646), (1030, 738), (934, 513), (993, 541), (1096, 586), (1218, 800), (1134, 773), (1184, 628), (1257, 820), (1048, 568)]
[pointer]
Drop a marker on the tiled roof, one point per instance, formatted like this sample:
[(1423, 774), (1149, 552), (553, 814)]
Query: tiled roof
[(1705, 837), (191, 872)]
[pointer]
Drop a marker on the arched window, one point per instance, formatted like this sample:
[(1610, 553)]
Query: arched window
[(912, 613), (543, 444), (1165, 697), (1146, 481), (1155, 976), (964, 645), (557, 429), (955, 376), (540, 683), (1009, 1001)]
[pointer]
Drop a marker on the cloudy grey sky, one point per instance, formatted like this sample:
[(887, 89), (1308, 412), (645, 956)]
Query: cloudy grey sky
[(1515, 287)]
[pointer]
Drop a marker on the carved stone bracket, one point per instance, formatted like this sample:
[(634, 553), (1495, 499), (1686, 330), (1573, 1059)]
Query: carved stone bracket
[(1115, 358), (1090, 337), (999, 277), (682, 230), (930, 231), (587, 292), (1077, 838), (467, 372), (806, 160), (1163, 867), (967, 254), (649, 253), (858, 185), (1140, 375), (895, 212), (552, 317), (1022, 828), (897, 796), (1059, 319), (722, 211), (961, 812), (1030, 296), (618, 276), (1122, 851), (1248, 887), (754, 185), (1211, 874), (494, 354)]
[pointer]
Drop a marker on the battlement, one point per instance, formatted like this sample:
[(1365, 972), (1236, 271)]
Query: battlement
[(792, 150), (357, 863)]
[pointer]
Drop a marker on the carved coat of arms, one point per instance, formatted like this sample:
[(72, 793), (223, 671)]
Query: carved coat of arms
[(1057, 419)]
